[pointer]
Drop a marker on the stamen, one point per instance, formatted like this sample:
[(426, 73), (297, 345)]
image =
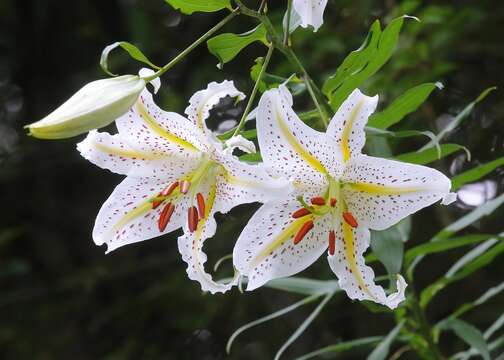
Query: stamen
[(192, 218), (318, 200), (201, 205), (332, 242), (165, 216), (333, 202), (184, 186), (307, 226), (300, 213), (155, 204), (169, 189), (349, 219)]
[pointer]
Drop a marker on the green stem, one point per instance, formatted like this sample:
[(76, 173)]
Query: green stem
[(194, 45), (425, 328), (322, 113), (254, 90), (287, 28)]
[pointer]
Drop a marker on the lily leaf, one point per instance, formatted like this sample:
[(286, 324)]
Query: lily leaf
[(226, 46), (382, 350), (363, 62), (304, 286), (470, 334), (342, 346), (190, 6), (131, 49), (476, 173), (429, 155), (388, 245), (402, 106)]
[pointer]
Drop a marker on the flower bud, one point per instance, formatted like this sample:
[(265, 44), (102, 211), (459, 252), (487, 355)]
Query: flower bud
[(94, 106)]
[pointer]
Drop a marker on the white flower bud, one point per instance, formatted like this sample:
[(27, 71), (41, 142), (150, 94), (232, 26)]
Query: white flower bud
[(94, 106)]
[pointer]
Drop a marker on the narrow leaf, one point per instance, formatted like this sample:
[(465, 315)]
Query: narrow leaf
[(269, 317), (427, 156), (402, 106), (470, 334), (342, 346), (382, 350), (226, 46), (190, 6), (304, 286), (131, 49), (476, 173)]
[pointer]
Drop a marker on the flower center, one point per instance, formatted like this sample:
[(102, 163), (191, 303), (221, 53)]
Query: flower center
[(187, 186), (330, 203)]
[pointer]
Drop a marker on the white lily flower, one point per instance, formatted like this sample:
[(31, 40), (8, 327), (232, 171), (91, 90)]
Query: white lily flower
[(340, 194), (178, 175), (311, 12)]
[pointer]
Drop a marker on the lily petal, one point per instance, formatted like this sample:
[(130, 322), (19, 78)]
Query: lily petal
[(354, 276), (265, 249), (239, 142), (112, 153), (190, 245), (381, 192), (289, 147), (347, 125), (203, 101), (148, 128), (128, 215), (243, 183), (311, 12)]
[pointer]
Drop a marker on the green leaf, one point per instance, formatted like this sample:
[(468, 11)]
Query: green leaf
[(388, 245), (429, 155), (131, 49), (470, 334), (459, 118), (342, 346), (402, 106), (304, 325), (476, 173), (364, 62), (251, 158), (226, 46), (304, 286), (190, 6), (269, 317), (382, 350), (473, 261), (443, 245)]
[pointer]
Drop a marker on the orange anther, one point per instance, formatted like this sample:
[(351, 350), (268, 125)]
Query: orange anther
[(318, 200), (300, 213), (184, 186), (165, 216), (332, 242), (201, 205), (169, 189), (307, 226), (333, 202), (155, 204), (349, 219), (192, 218)]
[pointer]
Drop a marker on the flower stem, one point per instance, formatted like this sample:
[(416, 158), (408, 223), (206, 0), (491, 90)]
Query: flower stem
[(287, 27), (322, 113), (194, 45), (254, 90)]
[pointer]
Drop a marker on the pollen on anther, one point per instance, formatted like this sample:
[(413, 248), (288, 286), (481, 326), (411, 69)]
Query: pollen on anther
[(318, 200), (184, 186), (201, 205), (332, 242), (165, 216), (169, 189), (192, 218), (307, 226), (300, 213), (349, 219)]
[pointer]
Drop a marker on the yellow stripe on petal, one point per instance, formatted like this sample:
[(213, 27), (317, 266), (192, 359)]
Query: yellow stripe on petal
[(297, 147), (152, 123), (348, 238), (124, 153), (383, 190), (133, 214), (347, 131), (290, 231)]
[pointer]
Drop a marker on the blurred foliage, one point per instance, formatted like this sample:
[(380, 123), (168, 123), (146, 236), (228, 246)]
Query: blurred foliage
[(61, 297)]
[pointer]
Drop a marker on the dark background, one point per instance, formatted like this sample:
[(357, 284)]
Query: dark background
[(62, 298)]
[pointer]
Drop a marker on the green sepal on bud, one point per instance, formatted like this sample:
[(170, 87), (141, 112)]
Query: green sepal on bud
[(94, 106)]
